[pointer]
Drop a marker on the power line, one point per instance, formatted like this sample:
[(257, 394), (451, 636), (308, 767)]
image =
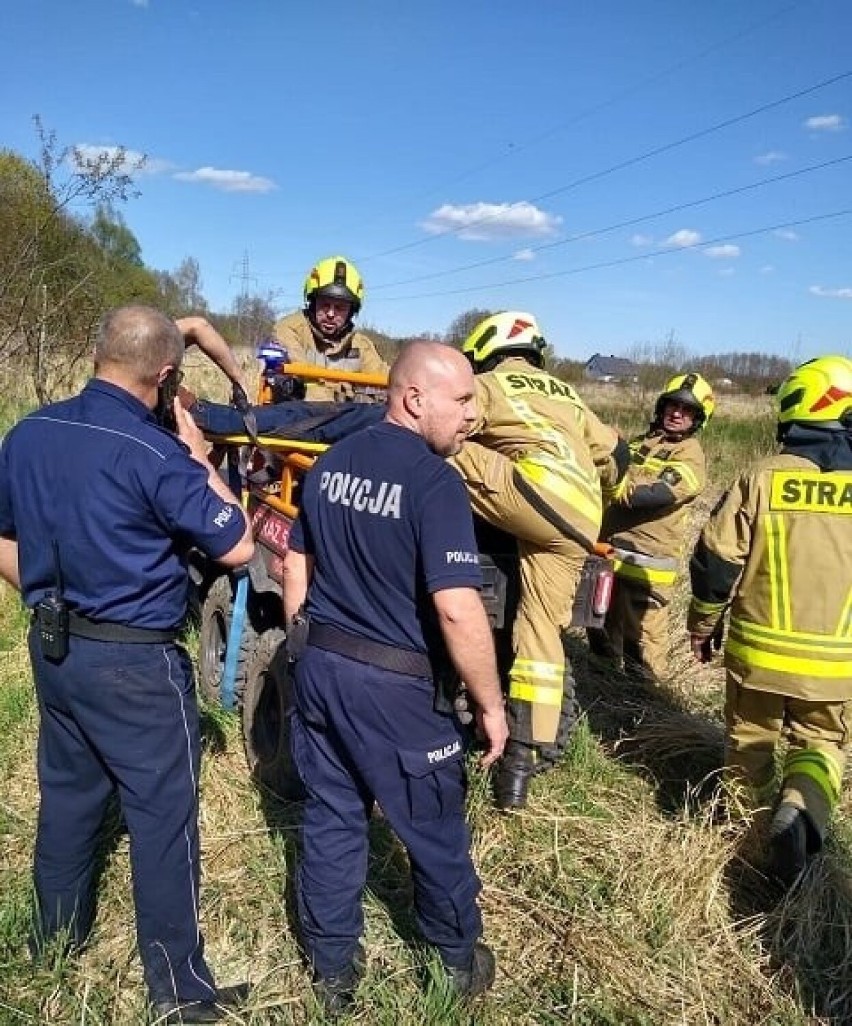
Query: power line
[(629, 223), (624, 260), (630, 162), (686, 62), (245, 277)]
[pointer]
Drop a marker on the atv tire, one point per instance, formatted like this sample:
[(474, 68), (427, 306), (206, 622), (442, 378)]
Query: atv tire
[(267, 709), (213, 642)]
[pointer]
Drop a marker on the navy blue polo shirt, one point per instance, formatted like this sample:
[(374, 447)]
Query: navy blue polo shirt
[(389, 523), (124, 501)]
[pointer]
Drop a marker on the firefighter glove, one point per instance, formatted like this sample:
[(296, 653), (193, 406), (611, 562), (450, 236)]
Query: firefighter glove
[(703, 645)]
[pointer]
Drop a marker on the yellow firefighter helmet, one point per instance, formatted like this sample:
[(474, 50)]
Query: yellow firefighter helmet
[(818, 392), (691, 390), (337, 278), (505, 334)]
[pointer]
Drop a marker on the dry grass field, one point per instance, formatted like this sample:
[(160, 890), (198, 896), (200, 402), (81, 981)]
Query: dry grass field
[(625, 894)]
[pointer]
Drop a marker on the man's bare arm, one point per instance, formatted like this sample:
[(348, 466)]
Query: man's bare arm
[(467, 633), (296, 576), (200, 332), (9, 562), (190, 434)]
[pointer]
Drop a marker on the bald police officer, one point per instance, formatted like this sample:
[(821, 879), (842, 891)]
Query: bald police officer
[(384, 549), (98, 505)]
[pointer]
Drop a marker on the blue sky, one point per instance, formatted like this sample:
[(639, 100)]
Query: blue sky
[(477, 153)]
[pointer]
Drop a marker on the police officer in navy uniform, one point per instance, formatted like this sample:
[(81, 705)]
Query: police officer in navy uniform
[(384, 550), (98, 506)]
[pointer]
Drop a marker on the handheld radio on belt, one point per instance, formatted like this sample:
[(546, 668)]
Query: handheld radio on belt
[(51, 617)]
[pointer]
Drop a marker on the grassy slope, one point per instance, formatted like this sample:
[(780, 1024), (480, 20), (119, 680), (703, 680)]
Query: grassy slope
[(622, 896)]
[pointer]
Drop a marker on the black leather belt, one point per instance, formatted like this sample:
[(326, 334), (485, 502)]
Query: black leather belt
[(93, 630), (386, 657)]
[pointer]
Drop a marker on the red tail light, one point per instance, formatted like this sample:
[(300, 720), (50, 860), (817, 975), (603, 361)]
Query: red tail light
[(603, 592)]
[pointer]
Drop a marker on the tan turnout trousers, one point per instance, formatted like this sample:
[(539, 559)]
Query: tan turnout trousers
[(637, 628), (550, 567), (818, 735)]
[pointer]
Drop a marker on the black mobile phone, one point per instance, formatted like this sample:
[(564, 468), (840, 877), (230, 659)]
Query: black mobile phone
[(166, 394)]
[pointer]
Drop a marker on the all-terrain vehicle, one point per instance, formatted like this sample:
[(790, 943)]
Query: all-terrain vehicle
[(251, 672)]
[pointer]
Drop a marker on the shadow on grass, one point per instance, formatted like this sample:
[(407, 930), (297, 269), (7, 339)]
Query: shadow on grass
[(649, 726), (54, 950), (805, 933), (388, 873)]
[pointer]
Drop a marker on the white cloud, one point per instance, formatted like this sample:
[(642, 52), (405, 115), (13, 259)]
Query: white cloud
[(132, 161), (770, 157), (826, 123), (684, 238), (767, 269), (824, 293), (139, 3), (482, 222), (726, 272), (787, 234), (640, 240), (524, 254), (227, 181), (724, 252)]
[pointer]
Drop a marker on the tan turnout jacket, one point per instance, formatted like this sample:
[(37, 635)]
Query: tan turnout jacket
[(558, 446), (354, 352), (657, 532), (786, 525)]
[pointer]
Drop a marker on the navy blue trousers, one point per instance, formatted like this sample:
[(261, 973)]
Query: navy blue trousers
[(361, 733), (118, 716)]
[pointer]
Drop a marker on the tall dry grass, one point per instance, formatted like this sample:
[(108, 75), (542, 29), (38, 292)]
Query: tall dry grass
[(628, 892)]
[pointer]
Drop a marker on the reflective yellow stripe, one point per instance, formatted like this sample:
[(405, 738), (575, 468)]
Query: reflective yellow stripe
[(561, 474), (541, 683), (688, 474), (779, 580), (643, 573), (813, 763), (706, 608), (788, 664), (575, 493), (535, 694), (844, 624), (534, 668), (819, 644)]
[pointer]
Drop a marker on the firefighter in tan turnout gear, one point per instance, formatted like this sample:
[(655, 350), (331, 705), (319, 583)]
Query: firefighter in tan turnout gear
[(778, 548), (324, 334), (645, 525), (532, 467)]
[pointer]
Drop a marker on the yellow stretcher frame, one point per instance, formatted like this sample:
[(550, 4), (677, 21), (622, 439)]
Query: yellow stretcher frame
[(310, 372), (297, 456)]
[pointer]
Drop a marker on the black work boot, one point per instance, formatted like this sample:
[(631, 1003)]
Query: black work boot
[(514, 772), (788, 839), (477, 977), (177, 1013), (336, 993)]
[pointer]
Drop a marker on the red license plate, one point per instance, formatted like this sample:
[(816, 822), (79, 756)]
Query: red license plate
[(274, 531)]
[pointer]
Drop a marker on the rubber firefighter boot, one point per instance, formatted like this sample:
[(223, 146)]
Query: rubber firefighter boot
[(788, 839), (515, 770)]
